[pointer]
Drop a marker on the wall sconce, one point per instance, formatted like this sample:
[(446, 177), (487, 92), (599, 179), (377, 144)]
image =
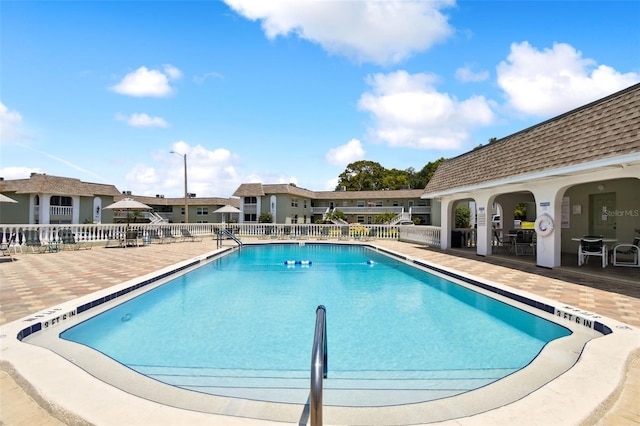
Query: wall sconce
[(98, 210), (600, 187)]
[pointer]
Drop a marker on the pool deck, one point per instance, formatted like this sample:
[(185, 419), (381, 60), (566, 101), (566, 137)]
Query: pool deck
[(35, 282)]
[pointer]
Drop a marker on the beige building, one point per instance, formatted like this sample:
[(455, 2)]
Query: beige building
[(48, 200), (287, 203)]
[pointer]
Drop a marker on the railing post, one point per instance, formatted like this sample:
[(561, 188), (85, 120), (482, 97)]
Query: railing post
[(319, 366)]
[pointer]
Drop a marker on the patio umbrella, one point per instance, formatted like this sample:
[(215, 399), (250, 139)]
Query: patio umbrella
[(128, 204), (5, 199), (227, 209)]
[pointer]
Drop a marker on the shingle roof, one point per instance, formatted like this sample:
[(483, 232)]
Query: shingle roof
[(179, 201), (609, 127), (259, 190), (46, 184)]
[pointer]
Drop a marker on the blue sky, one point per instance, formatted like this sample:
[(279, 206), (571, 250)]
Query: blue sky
[(291, 90)]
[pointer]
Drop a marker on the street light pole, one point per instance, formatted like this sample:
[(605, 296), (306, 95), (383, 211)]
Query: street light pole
[(186, 194)]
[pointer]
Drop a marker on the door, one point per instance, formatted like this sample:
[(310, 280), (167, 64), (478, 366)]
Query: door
[(602, 221)]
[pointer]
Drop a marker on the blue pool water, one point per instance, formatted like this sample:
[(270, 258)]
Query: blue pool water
[(252, 314)]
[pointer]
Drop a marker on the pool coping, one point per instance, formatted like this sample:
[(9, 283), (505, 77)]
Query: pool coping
[(598, 373)]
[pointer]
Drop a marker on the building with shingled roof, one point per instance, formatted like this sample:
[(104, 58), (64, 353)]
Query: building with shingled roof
[(287, 203), (579, 171)]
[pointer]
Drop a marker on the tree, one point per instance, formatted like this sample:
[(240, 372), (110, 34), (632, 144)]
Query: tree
[(463, 216), (265, 217), (362, 176)]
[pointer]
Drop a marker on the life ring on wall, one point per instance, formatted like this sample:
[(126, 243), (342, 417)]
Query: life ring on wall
[(544, 225)]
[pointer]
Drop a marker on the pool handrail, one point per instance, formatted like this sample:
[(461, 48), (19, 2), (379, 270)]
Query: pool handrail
[(319, 365)]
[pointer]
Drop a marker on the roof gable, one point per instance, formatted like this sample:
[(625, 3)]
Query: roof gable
[(603, 129)]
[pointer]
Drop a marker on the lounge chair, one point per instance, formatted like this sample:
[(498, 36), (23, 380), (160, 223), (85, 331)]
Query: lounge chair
[(157, 238), (68, 240), (32, 241), (188, 236), (592, 246), (626, 254), (166, 233)]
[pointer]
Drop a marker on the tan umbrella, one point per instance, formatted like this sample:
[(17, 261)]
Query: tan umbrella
[(128, 204), (5, 199), (227, 209)]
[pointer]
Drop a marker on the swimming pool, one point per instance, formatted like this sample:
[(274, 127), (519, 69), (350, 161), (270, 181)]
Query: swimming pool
[(242, 326), (361, 268)]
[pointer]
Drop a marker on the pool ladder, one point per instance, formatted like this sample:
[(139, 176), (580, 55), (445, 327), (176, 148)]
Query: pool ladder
[(318, 366), (226, 233)]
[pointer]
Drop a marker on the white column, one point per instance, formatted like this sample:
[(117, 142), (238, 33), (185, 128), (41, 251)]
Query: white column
[(483, 221), (446, 206), (549, 201)]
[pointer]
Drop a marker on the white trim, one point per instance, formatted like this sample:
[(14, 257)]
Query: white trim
[(615, 162)]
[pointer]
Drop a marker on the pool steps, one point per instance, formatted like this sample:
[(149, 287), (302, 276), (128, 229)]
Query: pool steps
[(341, 388)]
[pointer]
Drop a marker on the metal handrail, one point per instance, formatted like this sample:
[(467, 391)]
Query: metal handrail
[(319, 364)]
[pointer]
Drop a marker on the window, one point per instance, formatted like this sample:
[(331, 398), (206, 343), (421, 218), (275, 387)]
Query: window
[(250, 200), (182, 211), (202, 211), (304, 205), (360, 219), (379, 203), (294, 202), (295, 219), (250, 217), (57, 200), (360, 204), (202, 221), (396, 203)]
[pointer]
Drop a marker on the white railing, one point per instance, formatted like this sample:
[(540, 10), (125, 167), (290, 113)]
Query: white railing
[(101, 234), (429, 235), (60, 211)]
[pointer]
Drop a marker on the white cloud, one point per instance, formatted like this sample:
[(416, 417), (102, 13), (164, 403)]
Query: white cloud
[(556, 80), (10, 125), (408, 111), (346, 154), (383, 32), (210, 173), (200, 79), (10, 173), (142, 120), (145, 82), (466, 74)]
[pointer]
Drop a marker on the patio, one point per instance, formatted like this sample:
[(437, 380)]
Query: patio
[(38, 281)]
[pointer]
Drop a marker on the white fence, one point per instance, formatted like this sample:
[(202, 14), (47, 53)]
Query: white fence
[(100, 234)]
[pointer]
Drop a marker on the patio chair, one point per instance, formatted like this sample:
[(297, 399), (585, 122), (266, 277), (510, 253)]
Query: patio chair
[(5, 249), (68, 240), (303, 232), (592, 246), (501, 243), (166, 233), (132, 238), (155, 237), (370, 234), (344, 233), (188, 236), (324, 234), (32, 241), (626, 254), (525, 243)]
